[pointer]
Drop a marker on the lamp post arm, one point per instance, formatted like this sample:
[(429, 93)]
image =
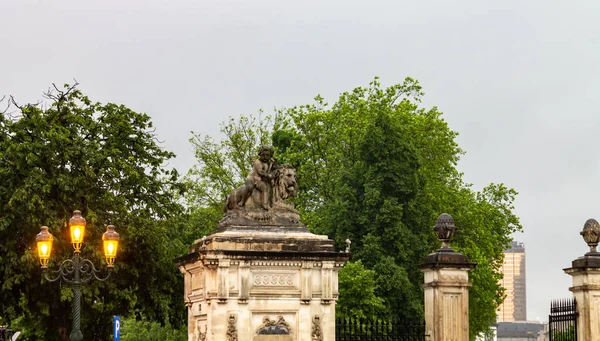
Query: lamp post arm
[(89, 271), (66, 268)]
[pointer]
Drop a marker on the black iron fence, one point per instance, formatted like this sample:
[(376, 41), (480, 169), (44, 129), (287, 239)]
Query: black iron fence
[(562, 322), (379, 330)]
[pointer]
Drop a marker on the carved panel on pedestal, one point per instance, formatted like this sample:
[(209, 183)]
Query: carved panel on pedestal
[(198, 280), (244, 279), (200, 334), (307, 282), (233, 280), (327, 282), (452, 317), (274, 330)]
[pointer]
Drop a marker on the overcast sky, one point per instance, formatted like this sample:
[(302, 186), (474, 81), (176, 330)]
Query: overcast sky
[(519, 80)]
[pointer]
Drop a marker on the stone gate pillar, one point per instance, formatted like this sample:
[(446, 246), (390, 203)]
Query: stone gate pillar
[(586, 284), (262, 284), (446, 288), (262, 276)]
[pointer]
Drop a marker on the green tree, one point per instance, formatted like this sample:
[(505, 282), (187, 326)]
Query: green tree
[(358, 287), (222, 166), (105, 160), (378, 169)]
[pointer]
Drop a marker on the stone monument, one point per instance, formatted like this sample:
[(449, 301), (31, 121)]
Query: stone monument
[(262, 276)]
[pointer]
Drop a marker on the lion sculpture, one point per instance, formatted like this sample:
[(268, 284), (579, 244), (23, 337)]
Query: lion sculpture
[(239, 197), (285, 183)]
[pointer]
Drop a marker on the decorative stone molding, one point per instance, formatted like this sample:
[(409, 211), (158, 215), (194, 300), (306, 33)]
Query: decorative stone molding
[(274, 280), (211, 264), (232, 334), (276, 263), (317, 332)]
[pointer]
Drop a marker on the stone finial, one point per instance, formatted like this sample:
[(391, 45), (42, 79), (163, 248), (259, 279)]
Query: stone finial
[(591, 234), (444, 229), (348, 242)]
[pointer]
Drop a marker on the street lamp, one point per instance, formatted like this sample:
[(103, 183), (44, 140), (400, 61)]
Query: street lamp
[(77, 270)]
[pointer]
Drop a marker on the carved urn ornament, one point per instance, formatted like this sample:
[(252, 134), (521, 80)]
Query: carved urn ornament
[(591, 235), (444, 229)]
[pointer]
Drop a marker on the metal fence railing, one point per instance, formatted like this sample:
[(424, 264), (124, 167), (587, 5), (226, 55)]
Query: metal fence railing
[(379, 330), (562, 321)]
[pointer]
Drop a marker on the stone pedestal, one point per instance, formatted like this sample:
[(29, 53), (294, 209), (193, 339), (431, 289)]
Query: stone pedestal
[(586, 289), (262, 283), (446, 286)]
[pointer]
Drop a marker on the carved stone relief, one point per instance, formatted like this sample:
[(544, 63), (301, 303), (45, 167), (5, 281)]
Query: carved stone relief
[(200, 336), (274, 327), (232, 334), (317, 332)]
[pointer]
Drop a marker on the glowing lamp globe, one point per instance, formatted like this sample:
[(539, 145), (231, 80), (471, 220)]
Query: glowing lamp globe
[(110, 239), (77, 227), (44, 244)]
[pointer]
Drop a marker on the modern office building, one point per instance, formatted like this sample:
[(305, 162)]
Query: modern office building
[(514, 307)]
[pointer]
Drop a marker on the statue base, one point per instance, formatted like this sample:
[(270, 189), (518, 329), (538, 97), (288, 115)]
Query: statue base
[(264, 282), (280, 215)]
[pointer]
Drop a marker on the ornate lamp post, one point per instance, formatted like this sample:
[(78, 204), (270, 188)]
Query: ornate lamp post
[(77, 270)]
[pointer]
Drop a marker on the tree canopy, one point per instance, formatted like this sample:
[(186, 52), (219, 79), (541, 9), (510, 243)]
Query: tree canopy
[(375, 167), (378, 169), (105, 160)]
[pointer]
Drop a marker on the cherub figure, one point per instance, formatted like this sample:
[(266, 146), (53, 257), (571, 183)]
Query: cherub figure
[(261, 177)]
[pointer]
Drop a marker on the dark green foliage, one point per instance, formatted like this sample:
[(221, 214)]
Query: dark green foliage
[(103, 159), (564, 335), (359, 299), (144, 330)]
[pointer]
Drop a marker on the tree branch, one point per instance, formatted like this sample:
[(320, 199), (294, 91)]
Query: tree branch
[(60, 95)]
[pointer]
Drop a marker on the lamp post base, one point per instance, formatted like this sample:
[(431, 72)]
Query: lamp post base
[(76, 336)]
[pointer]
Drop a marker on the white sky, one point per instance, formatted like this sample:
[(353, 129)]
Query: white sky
[(518, 79)]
